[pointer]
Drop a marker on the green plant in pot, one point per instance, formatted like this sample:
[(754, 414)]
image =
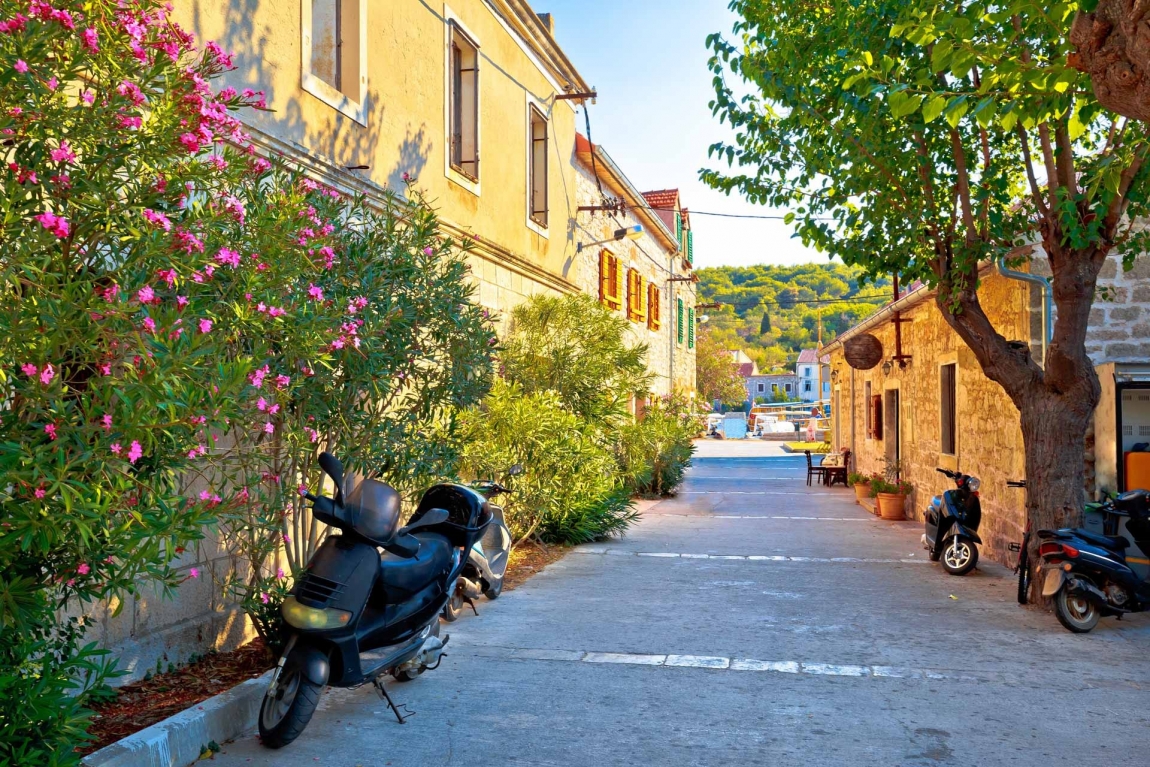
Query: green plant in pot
[(890, 496), (861, 484)]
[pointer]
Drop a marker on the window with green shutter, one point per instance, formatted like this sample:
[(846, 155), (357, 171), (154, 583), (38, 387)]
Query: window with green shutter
[(679, 318), (691, 246), (679, 226), (691, 328)]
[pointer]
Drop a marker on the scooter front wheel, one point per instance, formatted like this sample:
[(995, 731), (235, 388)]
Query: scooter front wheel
[(285, 714), (1077, 612), (494, 590), (959, 556), (454, 608)]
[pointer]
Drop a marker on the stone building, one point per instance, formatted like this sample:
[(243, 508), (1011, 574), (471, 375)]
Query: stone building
[(771, 387), (939, 410), (473, 103)]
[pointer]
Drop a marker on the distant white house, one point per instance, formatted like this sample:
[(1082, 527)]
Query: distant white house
[(807, 372), (772, 386)]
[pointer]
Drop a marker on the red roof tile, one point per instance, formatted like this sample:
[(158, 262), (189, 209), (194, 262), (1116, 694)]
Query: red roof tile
[(663, 198), (747, 369)]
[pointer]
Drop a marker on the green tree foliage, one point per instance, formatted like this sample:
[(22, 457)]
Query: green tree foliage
[(576, 347), (771, 312), (716, 375), (655, 451), (925, 139)]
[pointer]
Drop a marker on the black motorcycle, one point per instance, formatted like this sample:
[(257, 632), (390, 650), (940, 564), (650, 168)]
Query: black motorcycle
[(952, 521), (1092, 574), (357, 614), (487, 560)]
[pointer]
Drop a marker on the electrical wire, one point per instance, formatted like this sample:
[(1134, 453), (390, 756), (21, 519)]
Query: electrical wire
[(693, 212)]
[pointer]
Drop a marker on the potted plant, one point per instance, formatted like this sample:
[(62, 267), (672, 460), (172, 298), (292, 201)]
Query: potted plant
[(861, 484), (890, 497)]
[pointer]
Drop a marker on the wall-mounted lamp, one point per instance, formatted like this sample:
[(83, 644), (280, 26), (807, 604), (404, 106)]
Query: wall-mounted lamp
[(627, 233), (886, 368), (703, 318)]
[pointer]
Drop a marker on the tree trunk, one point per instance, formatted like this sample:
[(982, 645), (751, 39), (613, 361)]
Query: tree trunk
[(1112, 45)]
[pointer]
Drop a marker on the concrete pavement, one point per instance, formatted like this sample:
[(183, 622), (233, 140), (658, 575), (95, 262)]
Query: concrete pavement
[(753, 620)]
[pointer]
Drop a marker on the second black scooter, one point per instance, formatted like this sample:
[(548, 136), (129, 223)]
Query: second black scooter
[(952, 524)]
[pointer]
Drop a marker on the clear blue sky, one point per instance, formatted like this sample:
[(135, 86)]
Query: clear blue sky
[(648, 60)]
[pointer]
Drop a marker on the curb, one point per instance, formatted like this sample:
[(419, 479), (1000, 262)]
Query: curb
[(178, 740)]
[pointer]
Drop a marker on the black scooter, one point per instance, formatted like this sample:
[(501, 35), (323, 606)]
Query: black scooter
[(357, 614), (487, 561), (1092, 574), (952, 522)]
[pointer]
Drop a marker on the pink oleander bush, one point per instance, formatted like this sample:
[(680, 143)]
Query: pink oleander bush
[(183, 325)]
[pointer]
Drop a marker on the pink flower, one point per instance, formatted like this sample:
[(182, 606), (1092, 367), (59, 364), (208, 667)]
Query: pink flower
[(168, 276), (287, 538), (29, 369), (107, 421), (261, 404), (269, 428), (57, 225), (194, 573), (264, 597), (146, 294), (130, 90), (273, 409), (106, 370), (312, 434), (115, 448), (279, 573), (229, 257), (181, 301), (83, 569), (47, 374), (88, 96), (63, 153), (39, 492), (158, 219), (52, 83), (205, 326), (91, 39), (135, 452), (282, 381), (315, 292), (427, 251), (257, 377), (150, 324), (50, 430), (191, 142), (21, 66)]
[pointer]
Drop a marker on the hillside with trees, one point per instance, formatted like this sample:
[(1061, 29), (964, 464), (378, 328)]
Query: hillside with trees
[(772, 312)]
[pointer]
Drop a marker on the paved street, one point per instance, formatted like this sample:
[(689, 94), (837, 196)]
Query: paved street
[(753, 620)]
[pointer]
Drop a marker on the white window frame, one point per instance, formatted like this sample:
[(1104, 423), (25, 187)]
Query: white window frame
[(352, 105), (534, 104), (451, 22)]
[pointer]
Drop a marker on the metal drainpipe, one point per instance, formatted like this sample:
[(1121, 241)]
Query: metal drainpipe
[(1047, 300)]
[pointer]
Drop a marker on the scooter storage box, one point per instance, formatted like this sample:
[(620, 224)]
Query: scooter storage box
[(1137, 471), (1136, 503), (468, 513)]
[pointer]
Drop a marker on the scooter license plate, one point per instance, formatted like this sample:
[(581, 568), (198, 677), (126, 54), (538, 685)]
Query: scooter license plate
[(1053, 583)]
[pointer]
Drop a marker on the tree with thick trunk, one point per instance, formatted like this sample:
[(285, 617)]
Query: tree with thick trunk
[(1111, 41), (926, 140)]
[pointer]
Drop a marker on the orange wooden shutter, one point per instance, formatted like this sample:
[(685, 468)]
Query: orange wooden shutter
[(604, 276)]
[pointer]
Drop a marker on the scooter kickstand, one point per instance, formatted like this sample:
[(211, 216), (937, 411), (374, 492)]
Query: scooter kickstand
[(471, 603), (383, 694)]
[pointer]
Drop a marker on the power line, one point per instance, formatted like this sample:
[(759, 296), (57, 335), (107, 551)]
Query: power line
[(883, 298), (692, 212)]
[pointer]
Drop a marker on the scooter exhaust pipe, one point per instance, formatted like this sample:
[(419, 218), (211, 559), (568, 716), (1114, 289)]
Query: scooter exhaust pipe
[(469, 588)]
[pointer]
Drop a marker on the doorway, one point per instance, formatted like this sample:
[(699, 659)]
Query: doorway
[(1133, 405), (891, 426)]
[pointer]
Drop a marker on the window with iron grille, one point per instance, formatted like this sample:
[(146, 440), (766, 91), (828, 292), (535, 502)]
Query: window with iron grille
[(464, 102), (948, 380), (537, 193)]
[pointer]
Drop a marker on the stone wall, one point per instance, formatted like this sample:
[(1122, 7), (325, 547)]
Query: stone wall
[(989, 439)]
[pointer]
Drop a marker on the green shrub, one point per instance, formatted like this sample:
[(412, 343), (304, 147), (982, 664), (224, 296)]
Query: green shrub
[(569, 491), (655, 450)]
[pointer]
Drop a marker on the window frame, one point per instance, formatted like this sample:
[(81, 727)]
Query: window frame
[(538, 223), (868, 411), (943, 420), (350, 102), (636, 295), (654, 307), (680, 316), (609, 281), (691, 327), (453, 28)]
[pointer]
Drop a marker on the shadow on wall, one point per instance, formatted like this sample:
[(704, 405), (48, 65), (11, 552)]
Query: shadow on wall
[(340, 140)]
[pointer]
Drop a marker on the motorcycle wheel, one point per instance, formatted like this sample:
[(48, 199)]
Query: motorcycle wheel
[(493, 591), (284, 717), (960, 556), (454, 608), (934, 554), (1077, 613), (1023, 575)]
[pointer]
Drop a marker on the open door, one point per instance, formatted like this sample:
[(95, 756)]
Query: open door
[(891, 426)]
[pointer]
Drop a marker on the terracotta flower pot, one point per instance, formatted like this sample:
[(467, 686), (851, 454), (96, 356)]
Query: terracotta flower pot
[(862, 491), (891, 506)]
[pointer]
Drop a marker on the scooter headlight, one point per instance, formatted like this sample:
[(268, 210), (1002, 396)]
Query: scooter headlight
[(973, 483), (304, 617)]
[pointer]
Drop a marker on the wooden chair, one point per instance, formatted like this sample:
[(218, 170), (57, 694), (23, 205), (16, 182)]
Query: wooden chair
[(814, 471)]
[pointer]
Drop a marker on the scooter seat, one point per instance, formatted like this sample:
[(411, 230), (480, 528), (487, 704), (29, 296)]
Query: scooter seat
[(409, 575), (1112, 542)]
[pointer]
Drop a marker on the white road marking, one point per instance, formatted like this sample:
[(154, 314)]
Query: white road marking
[(781, 666), (698, 661), (829, 669), (758, 516), (622, 657), (747, 557)]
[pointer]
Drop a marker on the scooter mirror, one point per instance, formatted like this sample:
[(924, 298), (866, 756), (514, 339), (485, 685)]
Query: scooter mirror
[(333, 468), (515, 470)]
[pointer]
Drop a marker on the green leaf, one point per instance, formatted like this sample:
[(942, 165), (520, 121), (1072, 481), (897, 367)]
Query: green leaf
[(956, 108), (933, 108)]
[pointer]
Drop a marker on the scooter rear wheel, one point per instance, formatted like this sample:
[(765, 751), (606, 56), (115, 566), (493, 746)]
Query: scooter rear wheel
[(493, 591), (285, 715), (1076, 612), (454, 608)]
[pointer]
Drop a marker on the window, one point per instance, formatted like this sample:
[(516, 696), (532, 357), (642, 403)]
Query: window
[(636, 296), (690, 246), (333, 55), (464, 104), (762, 387), (807, 372), (874, 415), (537, 189), (806, 385), (948, 375), (691, 328), (654, 320), (788, 388), (679, 319), (866, 404), (610, 287), (679, 227)]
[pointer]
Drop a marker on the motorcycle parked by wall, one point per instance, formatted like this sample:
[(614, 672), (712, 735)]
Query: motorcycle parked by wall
[(1091, 574), (487, 559), (952, 521), (357, 614)]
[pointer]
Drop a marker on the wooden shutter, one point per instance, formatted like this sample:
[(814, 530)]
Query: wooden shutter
[(604, 276), (653, 309), (679, 226), (690, 246), (679, 319), (617, 283), (876, 416), (632, 287), (691, 328)]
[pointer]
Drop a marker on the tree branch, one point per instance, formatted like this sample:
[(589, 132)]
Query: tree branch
[(1051, 170), (1118, 204), (1065, 158), (1028, 161), (963, 184)]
